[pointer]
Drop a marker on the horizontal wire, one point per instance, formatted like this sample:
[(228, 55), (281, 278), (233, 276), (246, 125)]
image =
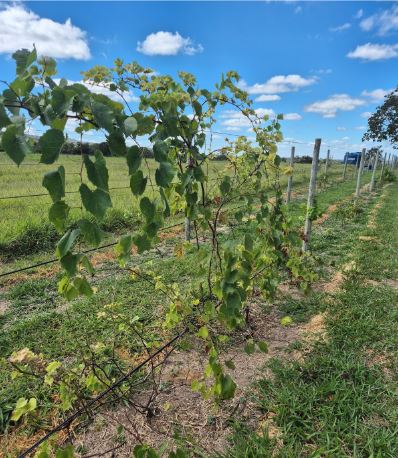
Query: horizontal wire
[(51, 261)]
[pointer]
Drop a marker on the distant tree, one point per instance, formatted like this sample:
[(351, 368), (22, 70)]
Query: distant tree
[(303, 159), (371, 153), (219, 157), (383, 124)]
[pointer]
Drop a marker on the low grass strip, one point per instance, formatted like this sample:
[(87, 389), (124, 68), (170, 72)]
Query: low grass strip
[(341, 398)]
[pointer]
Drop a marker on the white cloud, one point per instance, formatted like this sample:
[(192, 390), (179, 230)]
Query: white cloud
[(21, 28), (235, 119), (358, 14), (267, 98), (384, 22), (279, 84), (341, 128), (329, 107), (298, 9), (324, 71), (366, 114), (372, 51), (377, 95), (340, 28), (168, 44), (360, 128), (292, 117), (104, 89)]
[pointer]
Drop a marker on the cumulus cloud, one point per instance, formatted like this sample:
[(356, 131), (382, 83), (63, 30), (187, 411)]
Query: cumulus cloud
[(234, 120), (168, 44), (358, 14), (267, 98), (324, 71), (341, 28), (21, 28), (329, 107), (279, 84), (384, 22), (373, 51), (292, 117), (341, 128), (377, 95), (366, 114)]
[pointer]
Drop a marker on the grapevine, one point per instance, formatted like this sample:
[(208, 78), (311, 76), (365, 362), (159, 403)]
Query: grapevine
[(175, 116)]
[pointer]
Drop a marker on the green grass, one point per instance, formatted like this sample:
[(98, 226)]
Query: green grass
[(39, 319), (342, 400), (24, 226)]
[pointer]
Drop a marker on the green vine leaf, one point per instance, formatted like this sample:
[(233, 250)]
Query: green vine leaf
[(24, 59), (96, 202), (138, 183), (103, 115), (58, 214), (14, 144), (97, 171), (91, 232), (22, 407), (117, 144), (164, 174), (130, 125), (142, 242), (148, 209), (123, 249), (50, 145), (134, 158), (66, 243), (54, 182), (4, 119)]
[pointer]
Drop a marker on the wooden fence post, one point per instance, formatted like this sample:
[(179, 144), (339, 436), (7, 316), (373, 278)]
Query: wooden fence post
[(382, 169), (327, 162), (359, 175), (372, 181), (345, 167), (290, 179), (311, 195), (357, 166)]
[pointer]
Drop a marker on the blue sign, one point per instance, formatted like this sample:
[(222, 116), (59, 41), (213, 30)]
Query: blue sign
[(352, 158)]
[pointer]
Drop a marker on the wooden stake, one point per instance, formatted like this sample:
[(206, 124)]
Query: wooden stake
[(290, 179), (372, 181), (327, 162), (345, 167), (359, 176), (382, 169), (357, 165), (311, 195)]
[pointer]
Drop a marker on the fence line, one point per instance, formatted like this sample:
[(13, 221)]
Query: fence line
[(51, 261)]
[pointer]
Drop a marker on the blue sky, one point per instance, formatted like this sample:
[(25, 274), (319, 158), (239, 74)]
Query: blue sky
[(325, 65)]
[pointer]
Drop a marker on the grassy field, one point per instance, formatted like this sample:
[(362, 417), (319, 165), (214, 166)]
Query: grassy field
[(341, 398), (34, 316), (24, 226)]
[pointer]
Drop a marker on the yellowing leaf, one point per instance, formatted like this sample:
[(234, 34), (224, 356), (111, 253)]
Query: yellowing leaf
[(286, 321)]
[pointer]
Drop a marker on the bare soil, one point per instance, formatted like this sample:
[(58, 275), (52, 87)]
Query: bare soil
[(180, 410)]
